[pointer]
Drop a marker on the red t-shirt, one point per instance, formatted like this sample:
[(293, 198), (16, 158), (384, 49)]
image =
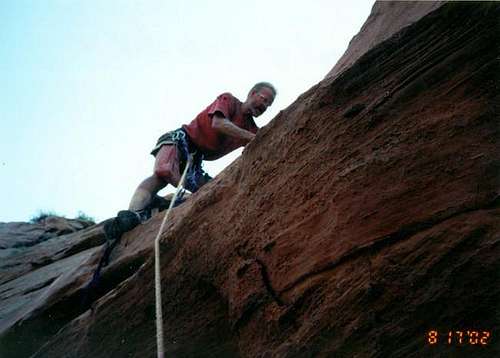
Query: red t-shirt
[(213, 144)]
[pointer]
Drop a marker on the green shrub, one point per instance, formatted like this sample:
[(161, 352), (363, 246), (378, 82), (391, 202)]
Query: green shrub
[(37, 218), (85, 217), (43, 214)]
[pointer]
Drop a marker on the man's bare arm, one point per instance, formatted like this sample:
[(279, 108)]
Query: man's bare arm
[(225, 126)]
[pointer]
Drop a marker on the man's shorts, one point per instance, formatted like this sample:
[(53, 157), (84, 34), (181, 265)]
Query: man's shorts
[(196, 176), (174, 137)]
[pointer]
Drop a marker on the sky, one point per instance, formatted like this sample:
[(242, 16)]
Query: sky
[(88, 86)]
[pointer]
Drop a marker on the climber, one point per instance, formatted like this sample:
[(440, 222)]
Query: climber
[(223, 126)]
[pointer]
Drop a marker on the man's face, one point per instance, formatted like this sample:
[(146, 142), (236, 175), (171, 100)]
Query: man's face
[(258, 101)]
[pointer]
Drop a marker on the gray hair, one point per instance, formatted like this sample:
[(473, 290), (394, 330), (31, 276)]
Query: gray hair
[(258, 86)]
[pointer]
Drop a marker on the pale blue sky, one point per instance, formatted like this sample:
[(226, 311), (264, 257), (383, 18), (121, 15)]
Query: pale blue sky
[(88, 86)]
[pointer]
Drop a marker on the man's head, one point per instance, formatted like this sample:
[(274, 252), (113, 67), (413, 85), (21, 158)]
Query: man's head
[(259, 98)]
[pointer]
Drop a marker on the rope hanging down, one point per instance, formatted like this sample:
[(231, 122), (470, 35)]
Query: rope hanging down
[(159, 313)]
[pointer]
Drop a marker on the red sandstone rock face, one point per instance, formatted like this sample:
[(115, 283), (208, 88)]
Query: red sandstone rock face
[(385, 20), (362, 216)]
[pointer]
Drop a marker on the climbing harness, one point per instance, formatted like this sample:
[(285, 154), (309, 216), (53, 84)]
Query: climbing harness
[(196, 176), (159, 313)]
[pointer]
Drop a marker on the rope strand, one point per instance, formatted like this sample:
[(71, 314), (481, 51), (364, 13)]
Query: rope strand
[(159, 313)]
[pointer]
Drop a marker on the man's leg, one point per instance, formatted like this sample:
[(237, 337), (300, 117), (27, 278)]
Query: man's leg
[(145, 192), (166, 171)]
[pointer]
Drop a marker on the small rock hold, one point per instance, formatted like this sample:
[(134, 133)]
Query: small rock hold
[(269, 246), (241, 270), (374, 291), (354, 110)]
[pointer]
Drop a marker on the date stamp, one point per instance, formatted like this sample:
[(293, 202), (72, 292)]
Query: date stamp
[(458, 337)]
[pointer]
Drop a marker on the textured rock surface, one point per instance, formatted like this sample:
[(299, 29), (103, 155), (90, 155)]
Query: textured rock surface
[(39, 262), (363, 215), (385, 20), (25, 246), (20, 234)]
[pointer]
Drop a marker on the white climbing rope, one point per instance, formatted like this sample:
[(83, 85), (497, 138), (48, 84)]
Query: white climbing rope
[(159, 313)]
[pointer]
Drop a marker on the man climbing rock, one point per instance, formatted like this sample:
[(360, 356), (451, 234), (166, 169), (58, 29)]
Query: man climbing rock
[(222, 127), (225, 125)]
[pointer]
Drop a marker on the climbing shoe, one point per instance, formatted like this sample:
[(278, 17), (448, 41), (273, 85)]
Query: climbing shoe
[(127, 220)]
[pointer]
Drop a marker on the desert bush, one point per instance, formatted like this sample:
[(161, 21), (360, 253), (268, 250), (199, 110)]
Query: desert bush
[(43, 214), (85, 217)]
